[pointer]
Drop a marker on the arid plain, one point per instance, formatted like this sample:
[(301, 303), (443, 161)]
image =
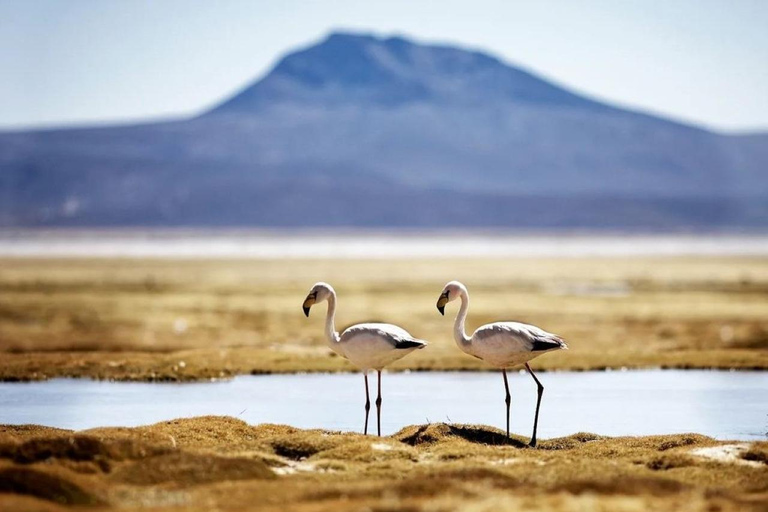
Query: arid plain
[(138, 319)]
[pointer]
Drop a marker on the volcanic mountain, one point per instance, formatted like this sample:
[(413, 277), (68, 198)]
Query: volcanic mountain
[(364, 131)]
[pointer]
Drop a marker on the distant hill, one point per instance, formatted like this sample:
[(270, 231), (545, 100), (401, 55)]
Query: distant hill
[(363, 131)]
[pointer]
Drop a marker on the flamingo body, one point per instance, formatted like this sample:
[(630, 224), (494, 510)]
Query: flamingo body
[(501, 344), (510, 344), (374, 346), (370, 346)]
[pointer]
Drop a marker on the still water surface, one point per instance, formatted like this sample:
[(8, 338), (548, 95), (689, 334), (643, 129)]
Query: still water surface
[(724, 405)]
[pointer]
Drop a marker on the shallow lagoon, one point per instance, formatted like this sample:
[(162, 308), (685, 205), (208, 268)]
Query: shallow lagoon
[(724, 405)]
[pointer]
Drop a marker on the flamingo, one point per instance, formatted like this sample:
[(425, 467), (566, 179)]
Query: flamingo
[(501, 344), (368, 346)]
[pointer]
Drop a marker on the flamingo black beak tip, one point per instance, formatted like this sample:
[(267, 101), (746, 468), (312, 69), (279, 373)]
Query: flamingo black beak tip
[(306, 311)]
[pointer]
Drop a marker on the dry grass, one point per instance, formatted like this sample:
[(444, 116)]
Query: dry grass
[(183, 320), (224, 464)]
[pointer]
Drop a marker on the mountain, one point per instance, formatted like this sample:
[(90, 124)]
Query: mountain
[(364, 131)]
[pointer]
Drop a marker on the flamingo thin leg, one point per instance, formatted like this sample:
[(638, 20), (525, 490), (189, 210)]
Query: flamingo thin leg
[(378, 406), (367, 404), (508, 398), (538, 404)]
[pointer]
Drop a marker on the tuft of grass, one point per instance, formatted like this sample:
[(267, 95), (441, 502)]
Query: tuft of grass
[(670, 461), (46, 485), (758, 452), (189, 469)]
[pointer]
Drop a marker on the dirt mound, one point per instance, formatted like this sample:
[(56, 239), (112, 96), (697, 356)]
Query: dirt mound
[(296, 444), (670, 461), (488, 476), (25, 503), (368, 450), (416, 435), (670, 442), (212, 432), (757, 453), (223, 463), (185, 469), (626, 485), (12, 433), (45, 485), (569, 442), (78, 447)]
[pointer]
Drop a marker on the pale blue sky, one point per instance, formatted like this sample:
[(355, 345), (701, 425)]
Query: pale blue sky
[(82, 61)]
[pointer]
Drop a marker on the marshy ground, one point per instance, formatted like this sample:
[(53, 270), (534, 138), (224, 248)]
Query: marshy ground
[(190, 319), (220, 463)]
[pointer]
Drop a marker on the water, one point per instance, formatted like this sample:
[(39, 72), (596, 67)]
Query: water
[(724, 405), (386, 245)]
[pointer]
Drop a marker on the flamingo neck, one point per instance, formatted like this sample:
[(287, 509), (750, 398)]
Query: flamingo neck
[(330, 324), (459, 334)]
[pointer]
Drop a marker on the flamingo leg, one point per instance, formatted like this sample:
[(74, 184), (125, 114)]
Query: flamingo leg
[(378, 406), (367, 404), (508, 398), (538, 404)]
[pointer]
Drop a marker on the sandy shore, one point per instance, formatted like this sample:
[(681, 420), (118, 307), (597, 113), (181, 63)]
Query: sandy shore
[(222, 463)]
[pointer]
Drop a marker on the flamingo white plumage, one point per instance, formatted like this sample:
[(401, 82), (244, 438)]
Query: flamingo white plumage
[(368, 346), (501, 344)]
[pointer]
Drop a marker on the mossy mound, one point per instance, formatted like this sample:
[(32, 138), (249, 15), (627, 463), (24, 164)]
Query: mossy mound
[(223, 463)]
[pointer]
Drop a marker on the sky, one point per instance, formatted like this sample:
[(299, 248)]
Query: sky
[(74, 62)]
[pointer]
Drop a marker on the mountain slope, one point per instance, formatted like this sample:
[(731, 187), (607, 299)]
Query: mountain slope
[(361, 69), (363, 131)]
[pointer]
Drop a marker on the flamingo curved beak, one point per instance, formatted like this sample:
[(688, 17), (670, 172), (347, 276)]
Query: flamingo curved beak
[(441, 302), (308, 303)]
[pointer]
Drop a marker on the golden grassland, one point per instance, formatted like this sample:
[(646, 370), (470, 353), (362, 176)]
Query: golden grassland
[(221, 463), (189, 319)]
